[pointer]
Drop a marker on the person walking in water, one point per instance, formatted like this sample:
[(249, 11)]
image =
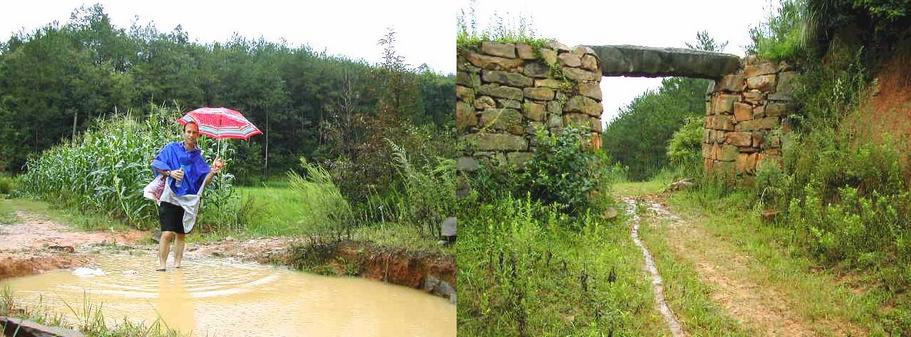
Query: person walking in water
[(189, 173)]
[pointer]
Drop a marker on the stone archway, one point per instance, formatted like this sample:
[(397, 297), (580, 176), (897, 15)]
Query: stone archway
[(505, 91)]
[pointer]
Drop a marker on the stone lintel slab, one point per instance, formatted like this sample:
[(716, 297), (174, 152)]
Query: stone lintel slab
[(627, 60)]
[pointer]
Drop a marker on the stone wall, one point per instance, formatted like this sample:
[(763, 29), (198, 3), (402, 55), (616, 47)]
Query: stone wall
[(744, 114), (506, 91)]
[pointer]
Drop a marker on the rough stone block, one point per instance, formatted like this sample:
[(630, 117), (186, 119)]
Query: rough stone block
[(753, 96), (541, 94), (776, 109), (759, 124), (549, 55), (580, 75), (509, 103), (507, 78), (471, 80), (731, 83), (785, 89), (534, 111), (465, 116), (507, 50), (761, 83), (496, 90), (533, 127), (590, 89), (536, 69), (758, 112), (518, 159), (503, 120), (582, 104), (758, 139), (728, 153), (525, 51), (706, 150), (467, 164), (723, 104), (764, 68), (464, 93), (555, 121), (596, 125), (738, 138), (570, 60), (746, 163), (549, 83), (493, 62), (556, 45), (581, 120), (484, 102), (590, 62), (555, 107), (722, 122), (742, 112), (496, 142)]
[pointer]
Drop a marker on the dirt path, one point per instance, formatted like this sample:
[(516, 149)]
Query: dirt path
[(726, 270), (657, 282), (35, 244)]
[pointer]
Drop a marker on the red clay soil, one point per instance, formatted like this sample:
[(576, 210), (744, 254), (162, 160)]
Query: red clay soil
[(887, 111), (35, 244), (398, 266), (15, 264), (36, 232)]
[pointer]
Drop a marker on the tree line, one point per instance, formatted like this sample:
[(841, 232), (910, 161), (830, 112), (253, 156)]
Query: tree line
[(57, 79)]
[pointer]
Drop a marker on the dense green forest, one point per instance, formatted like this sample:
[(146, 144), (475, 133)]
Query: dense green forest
[(638, 137), (56, 80)]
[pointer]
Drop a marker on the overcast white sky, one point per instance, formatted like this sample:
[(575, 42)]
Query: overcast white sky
[(426, 29)]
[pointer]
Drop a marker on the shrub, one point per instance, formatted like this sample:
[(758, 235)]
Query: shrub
[(684, 151), (429, 191), (324, 207), (782, 36)]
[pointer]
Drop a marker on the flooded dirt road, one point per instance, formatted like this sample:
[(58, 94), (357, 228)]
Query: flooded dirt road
[(217, 297)]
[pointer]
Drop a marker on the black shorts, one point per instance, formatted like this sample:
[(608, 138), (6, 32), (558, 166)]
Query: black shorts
[(171, 217)]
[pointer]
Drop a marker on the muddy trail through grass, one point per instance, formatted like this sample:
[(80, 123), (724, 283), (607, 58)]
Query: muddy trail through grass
[(713, 286), (225, 288)]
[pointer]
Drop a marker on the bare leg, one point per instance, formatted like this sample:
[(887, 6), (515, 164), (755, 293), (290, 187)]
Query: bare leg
[(164, 246), (178, 249)]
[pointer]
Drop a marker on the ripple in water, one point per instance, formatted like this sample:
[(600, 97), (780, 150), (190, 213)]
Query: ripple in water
[(220, 298)]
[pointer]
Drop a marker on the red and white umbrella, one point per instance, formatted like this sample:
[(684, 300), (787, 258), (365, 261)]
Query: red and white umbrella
[(220, 123)]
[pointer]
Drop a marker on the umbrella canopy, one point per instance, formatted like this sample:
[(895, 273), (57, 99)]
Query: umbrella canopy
[(220, 123)]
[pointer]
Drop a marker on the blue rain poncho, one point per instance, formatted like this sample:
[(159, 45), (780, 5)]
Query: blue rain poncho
[(172, 157)]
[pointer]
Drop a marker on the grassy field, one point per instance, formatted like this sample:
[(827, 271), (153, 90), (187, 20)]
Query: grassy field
[(524, 271)]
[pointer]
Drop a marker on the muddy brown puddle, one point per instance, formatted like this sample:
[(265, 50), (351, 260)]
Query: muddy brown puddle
[(213, 297)]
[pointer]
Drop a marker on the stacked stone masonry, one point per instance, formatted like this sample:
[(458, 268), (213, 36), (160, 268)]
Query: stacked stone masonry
[(505, 92), (744, 114)]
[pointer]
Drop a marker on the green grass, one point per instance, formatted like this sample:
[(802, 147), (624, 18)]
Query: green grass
[(524, 271), (89, 319), (68, 216)]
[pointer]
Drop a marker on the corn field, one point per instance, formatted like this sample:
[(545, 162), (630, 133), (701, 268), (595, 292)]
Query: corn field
[(105, 169)]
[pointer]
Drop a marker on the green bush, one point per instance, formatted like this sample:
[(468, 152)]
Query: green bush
[(323, 206), (429, 191), (684, 151), (7, 185), (105, 169), (781, 36)]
